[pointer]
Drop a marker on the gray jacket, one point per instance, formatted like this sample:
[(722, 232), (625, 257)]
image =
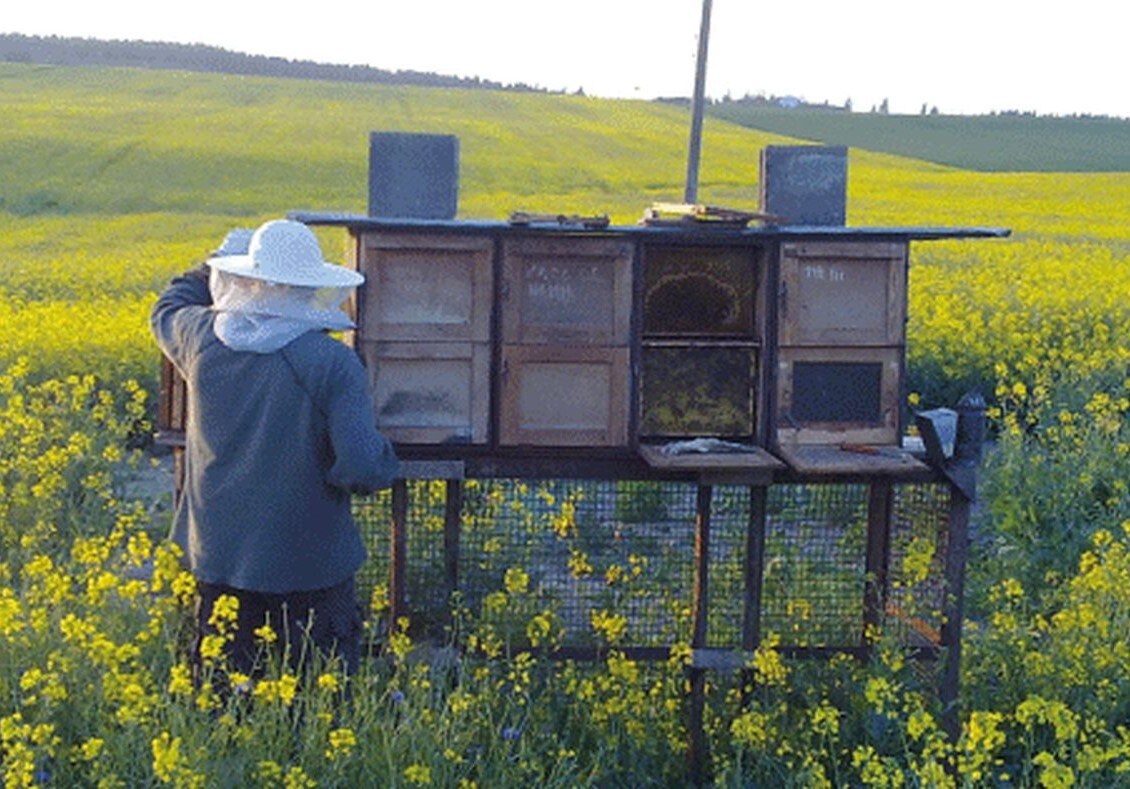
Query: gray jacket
[(275, 445)]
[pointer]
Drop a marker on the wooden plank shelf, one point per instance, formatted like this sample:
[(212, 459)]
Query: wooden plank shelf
[(865, 461), (755, 467)]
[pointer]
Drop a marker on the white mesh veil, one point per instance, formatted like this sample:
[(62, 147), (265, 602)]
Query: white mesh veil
[(255, 315)]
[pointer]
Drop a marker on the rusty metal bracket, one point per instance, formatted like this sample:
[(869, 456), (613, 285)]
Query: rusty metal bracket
[(525, 218)]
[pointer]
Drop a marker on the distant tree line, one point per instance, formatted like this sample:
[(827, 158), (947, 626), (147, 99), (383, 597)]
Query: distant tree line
[(771, 101), (761, 100), (55, 50), (63, 51)]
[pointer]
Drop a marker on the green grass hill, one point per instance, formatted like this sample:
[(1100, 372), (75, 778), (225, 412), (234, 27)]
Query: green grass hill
[(989, 143)]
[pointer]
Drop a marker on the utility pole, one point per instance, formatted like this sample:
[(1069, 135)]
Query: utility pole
[(695, 147)]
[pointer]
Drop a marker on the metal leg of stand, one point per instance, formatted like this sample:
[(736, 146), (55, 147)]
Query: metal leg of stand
[(398, 556), (954, 610), (698, 755)]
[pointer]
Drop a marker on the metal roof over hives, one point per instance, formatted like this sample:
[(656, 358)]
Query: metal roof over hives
[(703, 229)]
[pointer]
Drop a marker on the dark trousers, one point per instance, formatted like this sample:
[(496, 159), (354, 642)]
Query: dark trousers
[(326, 620)]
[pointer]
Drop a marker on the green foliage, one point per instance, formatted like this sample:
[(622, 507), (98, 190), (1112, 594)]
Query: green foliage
[(1058, 475), (62, 444)]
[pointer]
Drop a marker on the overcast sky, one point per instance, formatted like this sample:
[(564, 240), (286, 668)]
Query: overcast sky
[(962, 56)]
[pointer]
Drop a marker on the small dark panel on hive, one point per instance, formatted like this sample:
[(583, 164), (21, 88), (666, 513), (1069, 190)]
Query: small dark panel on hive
[(805, 184), (413, 175), (837, 392)]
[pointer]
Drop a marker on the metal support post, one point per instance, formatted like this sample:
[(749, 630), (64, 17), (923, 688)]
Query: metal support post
[(398, 556), (953, 609), (754, 572), (452, 523), (699, 756), (880, 503)]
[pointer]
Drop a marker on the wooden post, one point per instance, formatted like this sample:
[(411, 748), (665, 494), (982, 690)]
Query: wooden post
[(166, 397), (879, 505), (698, 754), (690, 194), (398, 556)]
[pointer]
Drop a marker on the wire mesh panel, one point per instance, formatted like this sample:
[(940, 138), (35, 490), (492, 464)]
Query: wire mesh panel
[(729, 527), (426, 584), (373, 515), (815, 564), (613, 562), (919, 544), (655, 522)]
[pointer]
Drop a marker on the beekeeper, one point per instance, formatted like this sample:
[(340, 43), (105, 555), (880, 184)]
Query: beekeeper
[(280, 432)]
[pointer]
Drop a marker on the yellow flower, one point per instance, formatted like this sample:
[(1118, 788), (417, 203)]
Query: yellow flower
[(1054, 774), (180, 680), (10, 612), (418, 774), (266, 634), (167, 570), (516, 581), (206, 699), (826, 719), (399, 642), (166, 756), (918, 560), (873, 769), (880, 694), (342, 743), (184, 587), (768, 666), (539, 628), (225, 613), (269, 772), (919, 724), (239, 681), (378, 600), (611, 626), (681, 655), (212, 647), (282, 689), (91, 749), (328, 682), (579, 565), (565, 522), (288, 688), (139, 548), (751, 730), (31, 678), (266, 690), (296, 778), (1063, 720), (982, 738), (495, 602)]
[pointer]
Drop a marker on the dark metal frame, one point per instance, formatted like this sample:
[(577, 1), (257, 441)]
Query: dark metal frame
[(704, 658)]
